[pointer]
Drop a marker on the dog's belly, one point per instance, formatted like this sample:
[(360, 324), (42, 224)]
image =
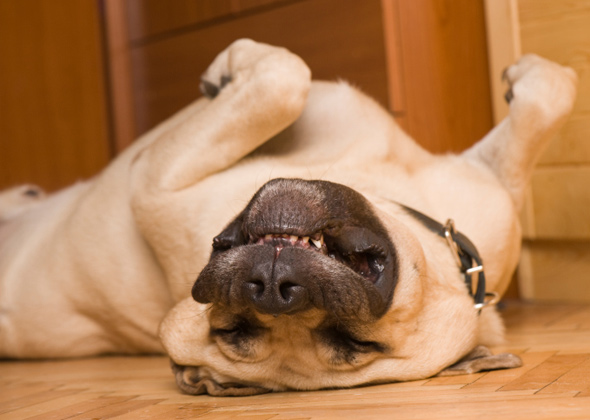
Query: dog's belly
[(64, 292)]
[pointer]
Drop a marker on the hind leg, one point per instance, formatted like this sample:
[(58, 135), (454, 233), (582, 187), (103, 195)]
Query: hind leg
[(541, 96)]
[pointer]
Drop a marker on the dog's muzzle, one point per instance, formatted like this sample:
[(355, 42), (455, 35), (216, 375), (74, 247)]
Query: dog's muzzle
[(300, 245)]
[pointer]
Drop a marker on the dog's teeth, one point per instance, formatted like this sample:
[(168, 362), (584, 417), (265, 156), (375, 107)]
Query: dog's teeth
[(293, 238), (317, 243), (267, 237)]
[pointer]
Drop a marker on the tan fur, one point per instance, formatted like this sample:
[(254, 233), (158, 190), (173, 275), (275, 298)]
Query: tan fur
[(95, 268)]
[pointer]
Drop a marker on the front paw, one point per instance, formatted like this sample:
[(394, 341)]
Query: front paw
[(210, 89), (240, 55), (246, 60)]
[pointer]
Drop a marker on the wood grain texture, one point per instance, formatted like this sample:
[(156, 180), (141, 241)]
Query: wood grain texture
[(560, 201), (559, 270), (149, 18), (52, 95), (553, 341), (337, 38), (559, 31), (119, 74), (555, 218), (445, 68), (503, 41), (394, 56)]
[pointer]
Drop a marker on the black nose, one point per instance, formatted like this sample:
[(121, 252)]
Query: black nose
[(299, 245), (272, 288)]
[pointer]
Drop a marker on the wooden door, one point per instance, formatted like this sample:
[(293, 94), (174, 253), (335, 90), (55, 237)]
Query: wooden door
[(53, 122), (424, 59)]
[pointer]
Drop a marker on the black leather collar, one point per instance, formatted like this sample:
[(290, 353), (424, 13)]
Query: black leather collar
[(466, 255)]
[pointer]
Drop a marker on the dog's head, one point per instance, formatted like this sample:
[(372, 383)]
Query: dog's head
[(311, 286)]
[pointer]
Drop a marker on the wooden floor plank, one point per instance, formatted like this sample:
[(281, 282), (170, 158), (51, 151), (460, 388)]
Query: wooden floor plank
[(455, 380), (546, 373), (15, 391), (544, 410), (36, 398), (80, 408), (177, 413), (577, 379), (553, 383), (48, 406), (537, 316), (495, 380), (114, 410), (578, 319)]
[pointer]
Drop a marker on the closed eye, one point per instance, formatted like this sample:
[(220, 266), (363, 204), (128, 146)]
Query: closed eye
[(346, 347), (238, 332)]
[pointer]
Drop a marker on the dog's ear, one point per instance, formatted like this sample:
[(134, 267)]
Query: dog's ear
[(192, 381), (481, 359)]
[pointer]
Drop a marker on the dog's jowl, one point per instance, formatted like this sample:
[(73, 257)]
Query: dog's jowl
[(280, 234)]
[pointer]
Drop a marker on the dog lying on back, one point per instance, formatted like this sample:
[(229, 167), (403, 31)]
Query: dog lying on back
[(334, 260)]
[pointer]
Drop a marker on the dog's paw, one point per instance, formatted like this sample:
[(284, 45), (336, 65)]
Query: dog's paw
[(541, 85), (245, 59)]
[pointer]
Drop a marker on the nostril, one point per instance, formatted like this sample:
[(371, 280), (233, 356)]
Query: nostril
[(254, 288), (288, 290)]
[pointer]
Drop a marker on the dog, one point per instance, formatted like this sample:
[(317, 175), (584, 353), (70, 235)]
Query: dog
[(343, 253)]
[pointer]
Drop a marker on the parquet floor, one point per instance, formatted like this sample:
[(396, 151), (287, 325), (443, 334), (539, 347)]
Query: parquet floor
[(554, 383)]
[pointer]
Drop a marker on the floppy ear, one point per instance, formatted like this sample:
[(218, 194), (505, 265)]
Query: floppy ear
[(481, 359), (191, 381)]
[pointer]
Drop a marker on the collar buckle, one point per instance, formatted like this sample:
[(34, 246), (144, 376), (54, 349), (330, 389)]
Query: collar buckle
[(470, 265), (448, 232), (494, 297)]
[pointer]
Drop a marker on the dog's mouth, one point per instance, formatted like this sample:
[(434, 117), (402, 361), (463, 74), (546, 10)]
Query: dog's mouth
[(279, 241), (302, 244), (368, 263)]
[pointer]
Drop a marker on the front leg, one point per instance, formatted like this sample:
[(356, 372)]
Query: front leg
[(261, 90)]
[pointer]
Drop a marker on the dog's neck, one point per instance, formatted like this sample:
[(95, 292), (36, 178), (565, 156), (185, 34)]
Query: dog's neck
[(466, 255)]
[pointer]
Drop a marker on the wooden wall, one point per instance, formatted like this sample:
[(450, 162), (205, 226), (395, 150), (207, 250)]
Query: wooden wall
[(555, 263), (558, 245)]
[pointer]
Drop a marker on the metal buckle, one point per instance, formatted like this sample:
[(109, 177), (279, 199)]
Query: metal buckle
[(494, 298), (448, 230), (474, 270)]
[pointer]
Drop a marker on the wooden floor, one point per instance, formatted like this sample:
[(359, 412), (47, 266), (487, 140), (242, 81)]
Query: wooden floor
[(554, 383)]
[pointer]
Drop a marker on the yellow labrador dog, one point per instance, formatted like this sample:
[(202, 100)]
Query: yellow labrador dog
[(334, 260)]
